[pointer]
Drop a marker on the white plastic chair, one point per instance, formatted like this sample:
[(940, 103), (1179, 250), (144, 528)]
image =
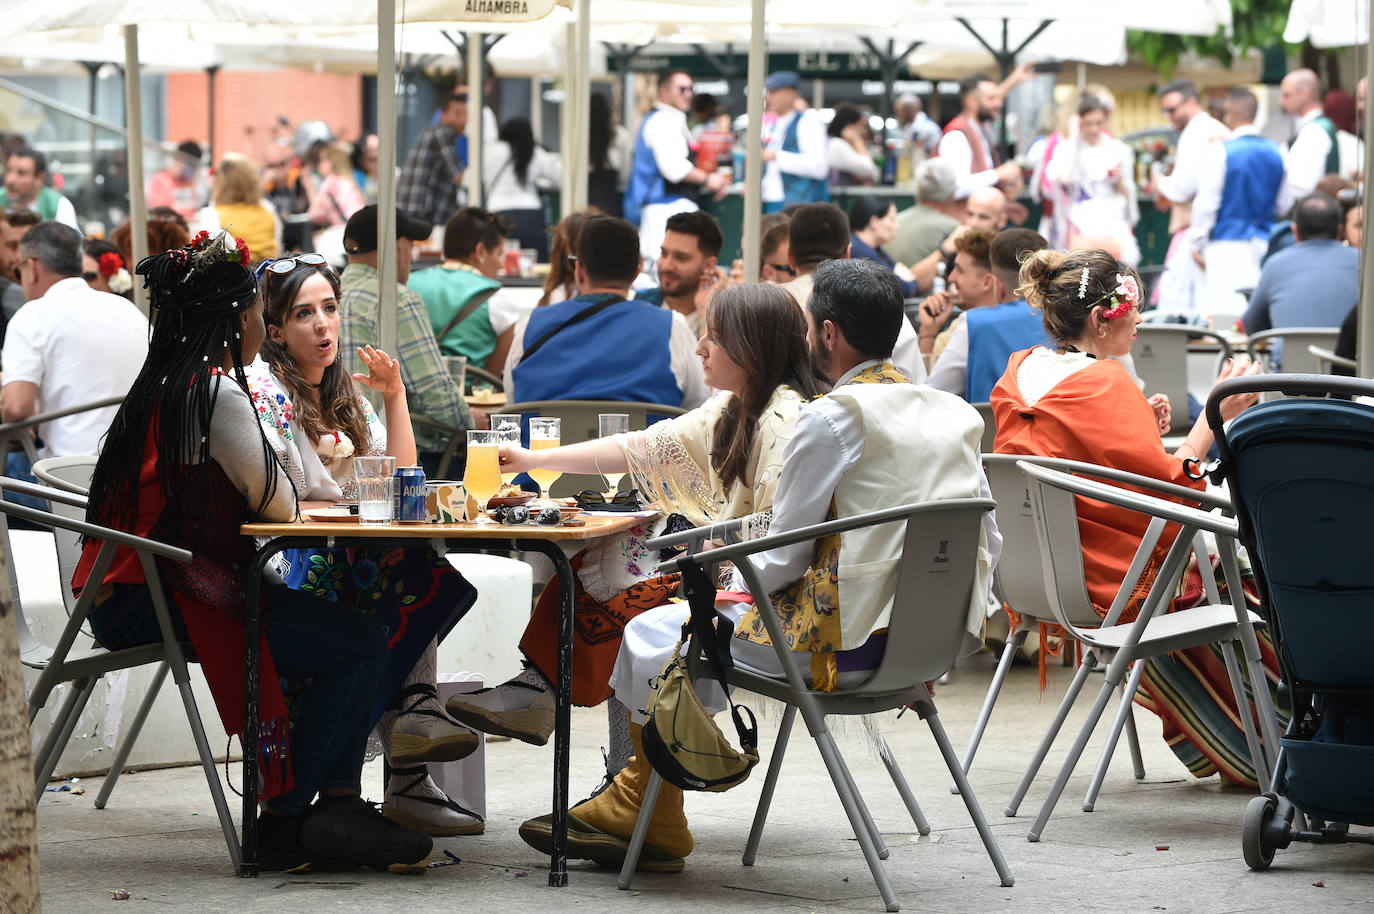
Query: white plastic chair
[(1327, 360), (19, 430), (1154, 631), (70, 474), (59, 663), (1297, 359), (989, 426), (1160, 355), (925, 632)]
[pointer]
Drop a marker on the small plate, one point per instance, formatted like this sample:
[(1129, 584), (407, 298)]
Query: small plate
[(510, 501), (331, 515)]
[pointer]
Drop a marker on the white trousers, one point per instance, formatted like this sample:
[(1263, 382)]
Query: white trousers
[(653, 224), (1231, 265)]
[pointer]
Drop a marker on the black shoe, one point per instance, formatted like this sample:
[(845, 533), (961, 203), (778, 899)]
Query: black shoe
[(352, 829), (280, 847)]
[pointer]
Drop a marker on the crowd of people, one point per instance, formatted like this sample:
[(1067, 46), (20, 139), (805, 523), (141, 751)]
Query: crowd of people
[(807, 392)]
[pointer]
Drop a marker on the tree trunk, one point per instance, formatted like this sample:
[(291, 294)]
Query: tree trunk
[(18, 825)]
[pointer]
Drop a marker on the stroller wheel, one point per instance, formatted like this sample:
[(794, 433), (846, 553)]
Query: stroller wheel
[(1258, 853)]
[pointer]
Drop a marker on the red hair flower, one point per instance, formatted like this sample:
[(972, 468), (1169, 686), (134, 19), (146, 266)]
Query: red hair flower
[(1124, 297), (201, 238), (243, 252), (110, 263)]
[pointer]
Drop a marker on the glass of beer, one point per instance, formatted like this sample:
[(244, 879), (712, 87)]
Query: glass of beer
[(545, 433), (482, 476), (613, 424)]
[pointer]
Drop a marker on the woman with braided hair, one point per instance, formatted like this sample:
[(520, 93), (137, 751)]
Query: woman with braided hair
[(185, 462)]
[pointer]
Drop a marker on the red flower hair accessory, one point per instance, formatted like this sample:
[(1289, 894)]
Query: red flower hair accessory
[(110, 263), (1124, 297)]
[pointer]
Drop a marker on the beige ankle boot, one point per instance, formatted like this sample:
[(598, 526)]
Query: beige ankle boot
[(615, 809)]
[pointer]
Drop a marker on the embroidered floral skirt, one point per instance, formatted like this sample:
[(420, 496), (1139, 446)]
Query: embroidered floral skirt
[(415, 593)]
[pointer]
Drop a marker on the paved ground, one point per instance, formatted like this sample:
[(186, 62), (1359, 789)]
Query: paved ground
[(1169, 843)]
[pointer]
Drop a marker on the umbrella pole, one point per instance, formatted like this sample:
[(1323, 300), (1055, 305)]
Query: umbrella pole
[(1364, 348), (138, 207), (386, 174), (581, 132), (753, 166), (476, 115)]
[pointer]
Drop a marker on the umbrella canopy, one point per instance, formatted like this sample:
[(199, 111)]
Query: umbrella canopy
[(1328, 23)]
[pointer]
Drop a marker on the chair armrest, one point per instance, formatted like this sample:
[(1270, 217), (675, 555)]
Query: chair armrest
[(477, 371), (61, 496), (9, 428), (1134, 501), (815, 531), (95, 531), (1078, 467)]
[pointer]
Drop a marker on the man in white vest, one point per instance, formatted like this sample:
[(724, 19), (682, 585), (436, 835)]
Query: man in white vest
[(874, 441)]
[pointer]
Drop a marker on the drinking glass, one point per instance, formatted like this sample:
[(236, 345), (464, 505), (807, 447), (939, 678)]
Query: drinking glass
[(507, 428), (376, 477), (482, 476), (613, 424), (457, 366), (544, 434)]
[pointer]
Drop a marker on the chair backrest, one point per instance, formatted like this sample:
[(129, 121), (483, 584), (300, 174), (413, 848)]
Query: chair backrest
[(1327, 360), (989, 426), (1295, 340), (1302, 480), (580, 424), (1020, 569), (1160, 355), (71, 474), (934, 588)]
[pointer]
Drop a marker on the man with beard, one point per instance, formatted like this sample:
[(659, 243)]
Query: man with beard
[(687, 267), (26, 174), (13, 224), (968, 143)]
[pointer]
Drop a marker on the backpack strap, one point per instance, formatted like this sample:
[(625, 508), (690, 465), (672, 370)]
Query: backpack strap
[(713, 633), (577, 318)]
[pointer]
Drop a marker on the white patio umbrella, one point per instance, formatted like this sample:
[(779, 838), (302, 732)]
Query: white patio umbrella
[(1328, 23), (265, 17)]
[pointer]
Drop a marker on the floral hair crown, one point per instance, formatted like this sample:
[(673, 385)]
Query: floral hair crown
[(1123, 298), (206, 250)]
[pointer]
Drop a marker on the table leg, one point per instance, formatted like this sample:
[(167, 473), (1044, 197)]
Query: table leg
[(562, 717), (252, 628)]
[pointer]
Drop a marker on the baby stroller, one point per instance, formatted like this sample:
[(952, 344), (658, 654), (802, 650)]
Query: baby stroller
[(1301, 478)]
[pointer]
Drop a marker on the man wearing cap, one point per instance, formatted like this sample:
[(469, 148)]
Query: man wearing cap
[(663, 181), (431, 390), (796, 169), (428, 186)]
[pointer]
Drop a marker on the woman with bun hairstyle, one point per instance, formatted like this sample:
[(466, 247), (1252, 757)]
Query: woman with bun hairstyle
[(186, 463), (1073, 400)]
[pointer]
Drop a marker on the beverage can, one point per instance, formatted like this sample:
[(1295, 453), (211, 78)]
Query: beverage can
[(410, 496), (512, 262)]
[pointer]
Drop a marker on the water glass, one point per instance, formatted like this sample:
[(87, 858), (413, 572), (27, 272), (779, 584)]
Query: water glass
[(612, 424), (376, 478)]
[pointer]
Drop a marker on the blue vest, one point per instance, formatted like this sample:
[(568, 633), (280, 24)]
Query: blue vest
[(1254, 171), (795, 188), (646, 184), (620, 353), (994, 333)]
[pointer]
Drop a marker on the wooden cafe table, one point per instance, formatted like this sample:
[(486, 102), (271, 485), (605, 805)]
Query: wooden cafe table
[(463, 537)]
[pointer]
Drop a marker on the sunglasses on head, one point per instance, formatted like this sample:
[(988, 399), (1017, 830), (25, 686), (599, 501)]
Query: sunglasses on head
[(287, 264)]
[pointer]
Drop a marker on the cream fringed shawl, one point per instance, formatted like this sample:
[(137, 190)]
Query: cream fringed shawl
[(671, 460)]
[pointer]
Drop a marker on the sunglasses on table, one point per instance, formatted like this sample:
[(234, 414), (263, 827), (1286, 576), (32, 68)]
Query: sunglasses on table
[(590, 500)]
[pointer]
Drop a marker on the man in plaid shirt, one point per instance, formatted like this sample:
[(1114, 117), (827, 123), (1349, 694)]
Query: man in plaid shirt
[(428, 187), (431, 390)]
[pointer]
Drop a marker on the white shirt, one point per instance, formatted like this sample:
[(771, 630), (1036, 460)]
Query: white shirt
[(504, 190), (826, 444), (1305, 163), (955, 148), (950, 371), (682, 359), (76, 345), (668, 138), (1211, 181), (845, 158), (1180, 185), (809, 161)]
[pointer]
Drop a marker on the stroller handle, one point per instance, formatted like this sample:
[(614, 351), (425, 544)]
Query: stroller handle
[(1288, 384)]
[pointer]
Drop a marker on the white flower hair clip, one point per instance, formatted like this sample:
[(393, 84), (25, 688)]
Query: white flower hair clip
[(1083, 285)]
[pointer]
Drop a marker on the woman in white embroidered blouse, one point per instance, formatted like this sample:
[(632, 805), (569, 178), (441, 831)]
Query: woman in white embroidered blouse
[(301, 392)]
